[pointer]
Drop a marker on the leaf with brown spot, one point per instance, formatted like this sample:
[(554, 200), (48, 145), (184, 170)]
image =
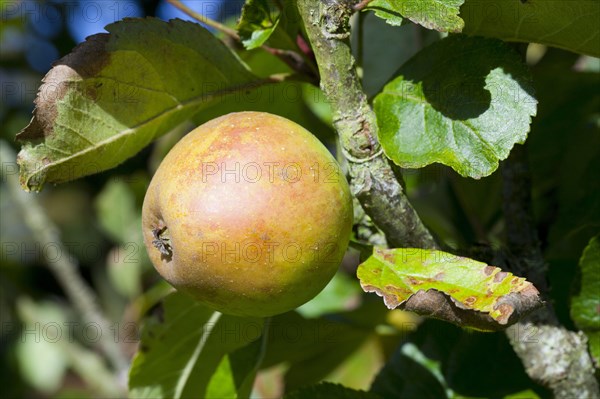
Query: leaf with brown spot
[(400, 274), (118, 91)]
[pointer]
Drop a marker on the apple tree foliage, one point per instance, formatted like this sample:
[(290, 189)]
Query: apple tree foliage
[(453, 95)]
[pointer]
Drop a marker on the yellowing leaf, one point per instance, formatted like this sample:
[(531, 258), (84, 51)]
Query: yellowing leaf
[(397, 274)]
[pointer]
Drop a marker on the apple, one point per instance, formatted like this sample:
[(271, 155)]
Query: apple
[(249, 213)]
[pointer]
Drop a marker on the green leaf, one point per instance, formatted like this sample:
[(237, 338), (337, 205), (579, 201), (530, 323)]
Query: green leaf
[(195, 352), (117, 92), (115, 206), (256, 24), (313, 348), (397, 274), (124, 268), (234, 378), (572, 25), (288, 99), (341, 293), (567, 131), (527, 394), (327, 390), (473, 364), (362, 366), (119, 217), (264, 64), (585, 305), (409, 374), (260, 24), (463, 102), (42, 362), (441, 15)]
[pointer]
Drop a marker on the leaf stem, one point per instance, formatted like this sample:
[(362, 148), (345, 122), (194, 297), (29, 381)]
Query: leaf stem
[(362, 4), (205, 20)]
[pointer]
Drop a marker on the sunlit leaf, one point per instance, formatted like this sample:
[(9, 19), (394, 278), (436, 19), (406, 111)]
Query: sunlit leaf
[(191, 351), (263, 23), (441, 15), (463, 102), (313, 348), (257, 23)]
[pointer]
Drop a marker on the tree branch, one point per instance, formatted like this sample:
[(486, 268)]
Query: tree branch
[(374, 181), (46, 234), (553, 356)]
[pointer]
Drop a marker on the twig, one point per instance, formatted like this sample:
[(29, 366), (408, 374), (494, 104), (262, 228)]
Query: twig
[(552, 355), (298, 62), (362, 4), (205, 20), (63, 267)]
